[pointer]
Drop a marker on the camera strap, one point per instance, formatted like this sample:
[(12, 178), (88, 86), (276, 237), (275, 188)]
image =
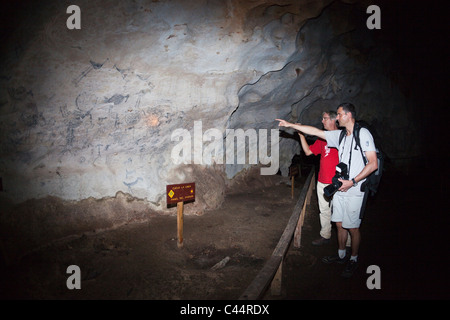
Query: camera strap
[(350, 157)]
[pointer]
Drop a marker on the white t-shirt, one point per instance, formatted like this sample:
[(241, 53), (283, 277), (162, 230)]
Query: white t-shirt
[(357, 162)]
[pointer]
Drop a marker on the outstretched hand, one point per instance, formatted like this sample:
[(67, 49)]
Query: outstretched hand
[(283, 123), (303, 128)]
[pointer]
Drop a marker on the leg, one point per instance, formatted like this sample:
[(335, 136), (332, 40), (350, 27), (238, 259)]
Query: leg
[(342, 235), (324, 214), (356, 239), (352, 221), (352, 264), (341, 257)]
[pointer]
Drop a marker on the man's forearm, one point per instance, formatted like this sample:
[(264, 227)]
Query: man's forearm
[(313, 131), (367, 170), (371, 166), (305, 145)]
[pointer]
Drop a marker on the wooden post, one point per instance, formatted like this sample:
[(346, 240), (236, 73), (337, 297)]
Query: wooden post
[(292, 184), (180, 224), (298, 227), (293, 171), (301, 219), (272, 270), (179, 193)]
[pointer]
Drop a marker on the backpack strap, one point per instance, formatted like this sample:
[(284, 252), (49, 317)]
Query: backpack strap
[(356, 129), (343, 132)]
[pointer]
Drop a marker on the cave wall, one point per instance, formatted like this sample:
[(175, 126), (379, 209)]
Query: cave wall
[(335, 60), (90, 113)]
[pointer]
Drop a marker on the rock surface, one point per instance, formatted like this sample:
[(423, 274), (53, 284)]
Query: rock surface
[(90, 113)]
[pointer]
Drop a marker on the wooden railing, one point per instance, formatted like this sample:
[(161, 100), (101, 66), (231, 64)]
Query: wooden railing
[(271, 273)]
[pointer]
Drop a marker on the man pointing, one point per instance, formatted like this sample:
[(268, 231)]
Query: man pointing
[(348, 200)]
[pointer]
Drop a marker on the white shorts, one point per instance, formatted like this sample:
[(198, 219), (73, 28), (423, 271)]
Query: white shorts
[(346, 209)]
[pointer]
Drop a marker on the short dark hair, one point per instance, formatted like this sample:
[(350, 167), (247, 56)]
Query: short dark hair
[(348, 107)]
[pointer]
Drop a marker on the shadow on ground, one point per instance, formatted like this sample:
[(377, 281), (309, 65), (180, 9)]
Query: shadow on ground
[(400, 234)]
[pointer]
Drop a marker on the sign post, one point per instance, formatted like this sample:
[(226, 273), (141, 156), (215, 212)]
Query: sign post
[(293, 171), (180, 224), (179, 193)]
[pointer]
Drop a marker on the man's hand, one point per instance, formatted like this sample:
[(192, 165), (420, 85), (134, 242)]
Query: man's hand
[(305, 129), (346, 184), (284, 123)]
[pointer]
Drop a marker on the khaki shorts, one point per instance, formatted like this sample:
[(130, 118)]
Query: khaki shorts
[(346, 209)]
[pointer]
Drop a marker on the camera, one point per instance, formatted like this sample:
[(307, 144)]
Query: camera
[(341, 173)]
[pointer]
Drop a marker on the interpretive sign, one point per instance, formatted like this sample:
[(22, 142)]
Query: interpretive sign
[(180, 192)]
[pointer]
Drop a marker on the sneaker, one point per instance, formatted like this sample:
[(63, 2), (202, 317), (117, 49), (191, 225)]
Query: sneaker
[(335, 259), (349, 269), (320, 241)]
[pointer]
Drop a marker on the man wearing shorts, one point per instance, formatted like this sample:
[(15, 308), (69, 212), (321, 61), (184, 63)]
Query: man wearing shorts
[(328, 160), (348, 200)]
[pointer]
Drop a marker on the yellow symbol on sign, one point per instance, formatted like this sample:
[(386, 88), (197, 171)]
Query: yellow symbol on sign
[(171, 193)]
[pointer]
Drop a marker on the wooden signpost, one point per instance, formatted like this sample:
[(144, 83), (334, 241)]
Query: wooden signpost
[(293, 171), (179, 193)]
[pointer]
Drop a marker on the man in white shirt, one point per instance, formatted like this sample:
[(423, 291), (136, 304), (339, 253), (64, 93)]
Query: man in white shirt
[(348, 200)]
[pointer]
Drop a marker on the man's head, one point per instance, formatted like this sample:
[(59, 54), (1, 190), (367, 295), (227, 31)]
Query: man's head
[(329, 120), (346, 113)]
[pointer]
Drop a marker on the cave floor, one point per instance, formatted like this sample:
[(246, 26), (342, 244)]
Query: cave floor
[(142, 260)]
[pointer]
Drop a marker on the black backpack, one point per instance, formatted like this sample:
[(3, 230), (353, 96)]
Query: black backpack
[(373, 180)]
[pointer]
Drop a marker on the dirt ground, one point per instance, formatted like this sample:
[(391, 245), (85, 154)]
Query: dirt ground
[(142, 260)]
